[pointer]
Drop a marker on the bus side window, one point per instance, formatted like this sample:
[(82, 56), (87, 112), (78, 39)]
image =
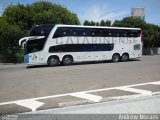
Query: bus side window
[(126, 33), (84, 33), (66, 31), (88, 32), (136, 33), (62, 32), (80, 31), (121, 33), (71, 31), (117, 33), (110, 33), (102, 33), (99, 32), (96, 32), (74, 33), (133, 33), (113, 33), (139, 33), (129, 34), (58, 33), (93, 33)]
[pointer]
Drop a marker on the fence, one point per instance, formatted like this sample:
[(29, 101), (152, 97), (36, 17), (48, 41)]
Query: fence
[(151, 51)]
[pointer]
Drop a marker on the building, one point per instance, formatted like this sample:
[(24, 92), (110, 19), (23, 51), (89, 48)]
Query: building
[(138, 12)]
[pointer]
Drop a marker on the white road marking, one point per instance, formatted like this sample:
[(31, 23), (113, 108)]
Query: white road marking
[(156, 83), (145, 92), (89, 91), (125, 97), (156, 93), (32, 104), (91, 97)]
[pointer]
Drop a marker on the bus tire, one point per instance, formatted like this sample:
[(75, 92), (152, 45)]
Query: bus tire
[(116, 57), (125, 57), (53, 61), (67, 60)]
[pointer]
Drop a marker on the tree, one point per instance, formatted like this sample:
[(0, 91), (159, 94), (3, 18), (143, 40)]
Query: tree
[(129, 22), (117, 23), (108, 23), (38, 13), (89, 23), (52, 14), (102, 23), (93, 23), (86, 22), (18, 19), (8, 39), (97, 23)]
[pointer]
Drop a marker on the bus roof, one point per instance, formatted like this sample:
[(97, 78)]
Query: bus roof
[(81, 26)]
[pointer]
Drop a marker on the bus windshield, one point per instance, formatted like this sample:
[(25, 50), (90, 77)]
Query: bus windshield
[(38, 44), (34, 45)]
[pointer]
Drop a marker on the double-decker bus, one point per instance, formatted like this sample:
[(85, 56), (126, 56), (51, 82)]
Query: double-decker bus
[(55, 44)]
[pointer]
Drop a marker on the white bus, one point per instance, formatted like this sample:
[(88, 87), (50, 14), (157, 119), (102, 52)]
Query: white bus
[(55, 44)]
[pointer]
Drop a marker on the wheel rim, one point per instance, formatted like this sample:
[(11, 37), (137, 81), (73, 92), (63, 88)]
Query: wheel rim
[(68, 60), (53, 61), (124, 57), (115, 58)]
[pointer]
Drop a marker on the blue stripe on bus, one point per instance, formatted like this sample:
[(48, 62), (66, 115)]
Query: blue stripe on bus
[(26, 59)]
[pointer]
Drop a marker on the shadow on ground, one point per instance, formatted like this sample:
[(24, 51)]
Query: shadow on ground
[(81, 63)]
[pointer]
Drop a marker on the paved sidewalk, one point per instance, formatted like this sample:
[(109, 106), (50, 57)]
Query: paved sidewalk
[(147, 108), (146, 105)]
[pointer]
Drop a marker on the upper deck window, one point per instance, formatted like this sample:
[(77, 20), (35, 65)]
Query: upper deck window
[(94, 32), (41, 30)]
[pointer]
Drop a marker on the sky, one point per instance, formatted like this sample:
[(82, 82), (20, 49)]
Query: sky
[(97, 10)]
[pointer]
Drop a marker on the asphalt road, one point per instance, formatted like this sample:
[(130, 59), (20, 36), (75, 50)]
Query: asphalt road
[(18, 82)]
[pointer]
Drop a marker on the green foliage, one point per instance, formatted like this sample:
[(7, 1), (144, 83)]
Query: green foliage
[(108, 23), (129, 22), (9, 34), (38, 13), (86, 22), (101, 23), (48, 13), (97, 23), (8, 39), (93, 23), (20, 55), (151, 35)]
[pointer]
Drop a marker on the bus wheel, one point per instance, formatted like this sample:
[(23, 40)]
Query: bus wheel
[(125, 57), (53, 61), (67, 60), (116, 57)]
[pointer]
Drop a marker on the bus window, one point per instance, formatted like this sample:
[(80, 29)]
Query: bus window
[(35, 45), (42, 30)]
